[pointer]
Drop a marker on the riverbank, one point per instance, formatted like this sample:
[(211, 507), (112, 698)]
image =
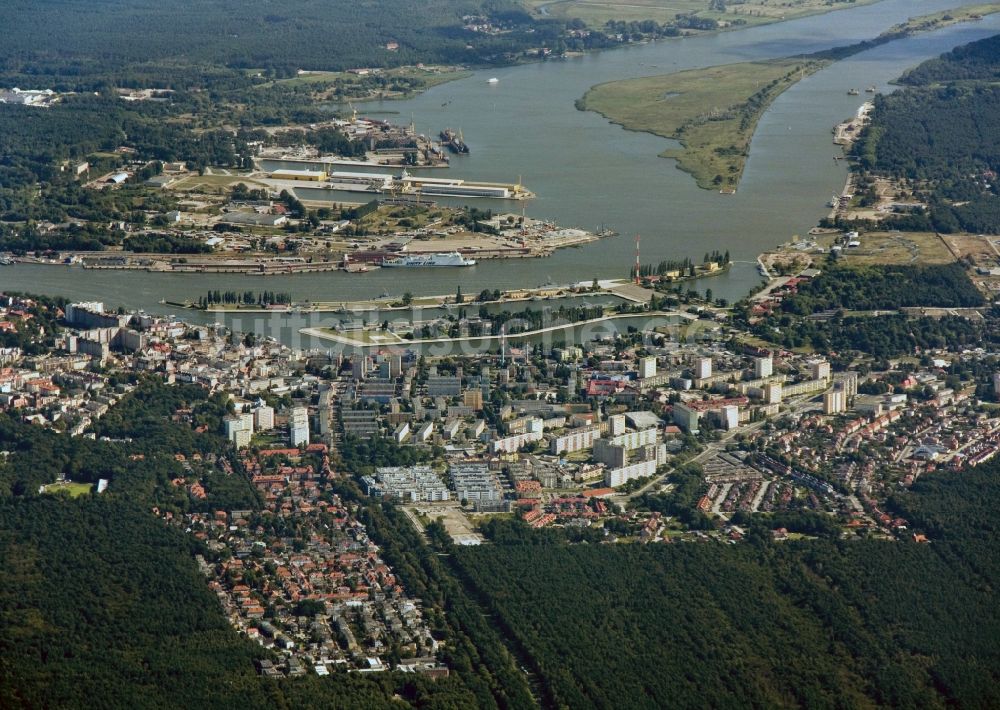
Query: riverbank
[(734, 16), (361, 85), (713, 112), (384, 236), (622, 289), (589, 173)]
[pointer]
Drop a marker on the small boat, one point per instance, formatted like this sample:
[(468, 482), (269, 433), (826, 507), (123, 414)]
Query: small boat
[(870, 89), (493, 80), (853, 92)]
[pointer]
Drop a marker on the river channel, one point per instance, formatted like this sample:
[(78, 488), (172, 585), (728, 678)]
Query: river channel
[(587, 172)]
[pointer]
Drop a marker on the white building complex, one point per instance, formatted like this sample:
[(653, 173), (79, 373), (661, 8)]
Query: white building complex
[(413, 484), (575, 440)]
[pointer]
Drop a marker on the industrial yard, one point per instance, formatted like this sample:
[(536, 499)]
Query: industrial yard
[(259, 236)]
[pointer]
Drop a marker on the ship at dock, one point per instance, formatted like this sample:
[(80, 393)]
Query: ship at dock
[(454, 141), (416, 260)]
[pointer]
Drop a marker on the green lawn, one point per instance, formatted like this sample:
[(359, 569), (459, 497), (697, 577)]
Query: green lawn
[(74, 490)]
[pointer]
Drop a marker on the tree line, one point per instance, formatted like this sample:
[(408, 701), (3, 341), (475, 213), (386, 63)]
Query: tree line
[(247, 298)]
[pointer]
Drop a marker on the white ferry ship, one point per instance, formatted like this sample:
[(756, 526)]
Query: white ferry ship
[(443, 259)]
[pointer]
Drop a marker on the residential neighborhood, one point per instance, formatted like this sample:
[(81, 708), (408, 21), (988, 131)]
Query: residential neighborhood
[(641, 438)]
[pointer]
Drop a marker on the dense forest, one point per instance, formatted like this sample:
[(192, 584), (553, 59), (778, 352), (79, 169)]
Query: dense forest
[(881, 337), (821, 623), (477, 650), (933, 133), (79, 43), (976, 61), (864, 288), (814, 316), (40, 146), (943, 139)]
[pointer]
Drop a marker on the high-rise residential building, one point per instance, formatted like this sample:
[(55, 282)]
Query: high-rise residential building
[(473, 398), (848, 382), (647, 367), (834, 402), (763, 366), (263, 418), (575, 440), (239, 429), (703, 368), (687, 418), (298, 426), (820, 370)]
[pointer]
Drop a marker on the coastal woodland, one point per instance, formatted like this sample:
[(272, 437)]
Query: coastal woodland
[(836, 311), (938, 138), (126, 42), (940, 135)]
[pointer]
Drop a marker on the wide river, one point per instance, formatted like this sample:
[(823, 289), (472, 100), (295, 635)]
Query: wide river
[(588, 172)]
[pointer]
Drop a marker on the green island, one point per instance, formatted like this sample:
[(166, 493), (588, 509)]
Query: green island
[(713, 112)]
